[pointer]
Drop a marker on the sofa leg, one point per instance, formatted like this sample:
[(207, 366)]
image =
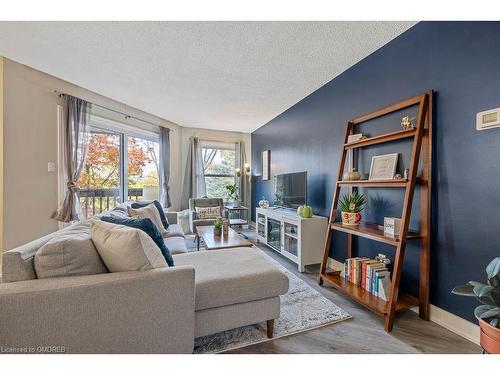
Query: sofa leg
[(270, 328)]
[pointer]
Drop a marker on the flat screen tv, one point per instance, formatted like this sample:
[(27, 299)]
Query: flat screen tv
[(290, 189)]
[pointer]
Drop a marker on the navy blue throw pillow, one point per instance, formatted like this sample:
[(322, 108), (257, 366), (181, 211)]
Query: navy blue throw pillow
[(147, 226), (158, 206)]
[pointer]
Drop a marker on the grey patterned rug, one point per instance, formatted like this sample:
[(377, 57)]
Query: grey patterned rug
[(302, 309)]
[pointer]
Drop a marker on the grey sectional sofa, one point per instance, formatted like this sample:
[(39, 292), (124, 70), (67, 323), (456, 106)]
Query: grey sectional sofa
[(155, 311)]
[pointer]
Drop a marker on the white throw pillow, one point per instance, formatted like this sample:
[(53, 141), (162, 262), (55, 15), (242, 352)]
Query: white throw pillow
[(124, 248), (207, 212), (149, 212)]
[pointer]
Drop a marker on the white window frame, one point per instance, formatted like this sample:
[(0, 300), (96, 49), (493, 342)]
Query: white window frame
[(125, 131), (219, 145)]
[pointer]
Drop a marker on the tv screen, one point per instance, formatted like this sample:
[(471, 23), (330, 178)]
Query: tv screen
[(290, 190)]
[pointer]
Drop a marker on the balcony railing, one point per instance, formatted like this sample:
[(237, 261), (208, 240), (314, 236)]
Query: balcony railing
[(95, 201)]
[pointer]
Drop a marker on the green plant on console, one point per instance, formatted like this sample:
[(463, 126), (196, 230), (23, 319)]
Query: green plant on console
[(488, 294)]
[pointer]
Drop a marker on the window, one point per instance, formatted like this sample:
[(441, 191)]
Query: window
[(219, 161), (111, 166)]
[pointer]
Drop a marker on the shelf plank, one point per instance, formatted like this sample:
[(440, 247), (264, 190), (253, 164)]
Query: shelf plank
[(365, 298), (370, 231), (388, 137), (403, 183)]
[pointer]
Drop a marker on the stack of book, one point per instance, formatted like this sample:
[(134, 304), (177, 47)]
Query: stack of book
[(369, 274)]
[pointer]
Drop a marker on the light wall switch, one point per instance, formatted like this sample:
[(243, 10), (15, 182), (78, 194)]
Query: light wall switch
[(51, 166)]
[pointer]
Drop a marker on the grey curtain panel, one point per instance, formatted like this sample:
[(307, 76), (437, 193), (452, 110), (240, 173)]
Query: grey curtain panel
[(194, 177), (164, 171), (76, 143), (243, 181)]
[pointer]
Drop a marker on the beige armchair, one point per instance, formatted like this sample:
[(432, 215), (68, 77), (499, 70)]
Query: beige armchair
[(204, 202)]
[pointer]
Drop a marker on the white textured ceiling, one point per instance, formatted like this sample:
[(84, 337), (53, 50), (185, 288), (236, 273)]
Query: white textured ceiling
[(218, 75)]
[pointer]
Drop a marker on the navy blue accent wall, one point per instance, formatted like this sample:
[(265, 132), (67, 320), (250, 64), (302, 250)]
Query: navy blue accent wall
[(460, 61)]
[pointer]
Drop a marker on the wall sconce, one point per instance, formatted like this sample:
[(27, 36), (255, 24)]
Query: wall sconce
[(237, 171), (247, 169)]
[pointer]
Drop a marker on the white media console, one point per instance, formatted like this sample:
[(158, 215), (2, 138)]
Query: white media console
[(300, 240)]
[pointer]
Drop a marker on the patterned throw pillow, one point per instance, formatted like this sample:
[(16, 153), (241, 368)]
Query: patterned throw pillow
[(207, 212)]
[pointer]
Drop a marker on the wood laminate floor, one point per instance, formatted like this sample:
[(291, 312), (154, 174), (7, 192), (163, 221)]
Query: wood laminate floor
[(364, 333)]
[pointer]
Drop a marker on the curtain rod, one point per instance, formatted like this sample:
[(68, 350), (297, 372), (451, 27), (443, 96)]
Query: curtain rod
[(127, 116)]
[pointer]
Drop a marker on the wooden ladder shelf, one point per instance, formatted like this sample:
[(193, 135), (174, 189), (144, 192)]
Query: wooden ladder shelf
[(421, 150)]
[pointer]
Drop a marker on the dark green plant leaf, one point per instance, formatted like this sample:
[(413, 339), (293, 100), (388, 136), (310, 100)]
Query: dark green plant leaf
[(464, 290), (482, 290), (495, 296), (480, 310), (494, 322), (493, 272), (493, 268), (490, 313)]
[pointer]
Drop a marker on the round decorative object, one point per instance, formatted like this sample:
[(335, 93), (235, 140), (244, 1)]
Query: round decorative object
[(263, 203), (305, 212), (351, 218), (398, 177), (351, 175)]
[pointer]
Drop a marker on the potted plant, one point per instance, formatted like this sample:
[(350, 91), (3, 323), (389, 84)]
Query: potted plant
[(351, 205), (233, 194), (218, 226), (488, 313)]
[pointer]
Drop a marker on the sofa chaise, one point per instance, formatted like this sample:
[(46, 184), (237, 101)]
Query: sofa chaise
[(154, 311)]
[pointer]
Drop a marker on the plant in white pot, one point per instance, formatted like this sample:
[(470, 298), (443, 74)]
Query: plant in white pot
[(351, 205), (488, 313)]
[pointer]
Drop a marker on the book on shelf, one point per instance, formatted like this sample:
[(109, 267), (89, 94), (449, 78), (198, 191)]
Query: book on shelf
[(369, 274)]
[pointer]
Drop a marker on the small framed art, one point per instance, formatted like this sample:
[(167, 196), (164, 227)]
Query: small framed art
[(383, 167), (266, 162)]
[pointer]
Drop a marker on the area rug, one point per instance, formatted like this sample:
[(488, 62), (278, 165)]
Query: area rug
[(302, 309)]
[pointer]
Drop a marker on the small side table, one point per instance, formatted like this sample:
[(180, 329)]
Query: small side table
[(242, 218)]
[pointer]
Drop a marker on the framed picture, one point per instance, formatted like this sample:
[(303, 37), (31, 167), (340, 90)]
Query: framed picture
[(266, 162), (383, 167)]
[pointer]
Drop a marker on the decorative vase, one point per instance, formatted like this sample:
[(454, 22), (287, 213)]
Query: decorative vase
[(225, 226), (351, 175), (489, 337), (351, 218), (263, 203)]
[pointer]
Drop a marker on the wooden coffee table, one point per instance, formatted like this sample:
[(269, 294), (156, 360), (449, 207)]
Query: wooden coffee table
[(212, 242)]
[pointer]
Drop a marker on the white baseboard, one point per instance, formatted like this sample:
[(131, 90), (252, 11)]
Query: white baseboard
[(450, 321)]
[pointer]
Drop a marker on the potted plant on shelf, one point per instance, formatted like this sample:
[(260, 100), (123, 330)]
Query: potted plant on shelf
[(218, 226), (233, 195), (351, 206), (488, 313)]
